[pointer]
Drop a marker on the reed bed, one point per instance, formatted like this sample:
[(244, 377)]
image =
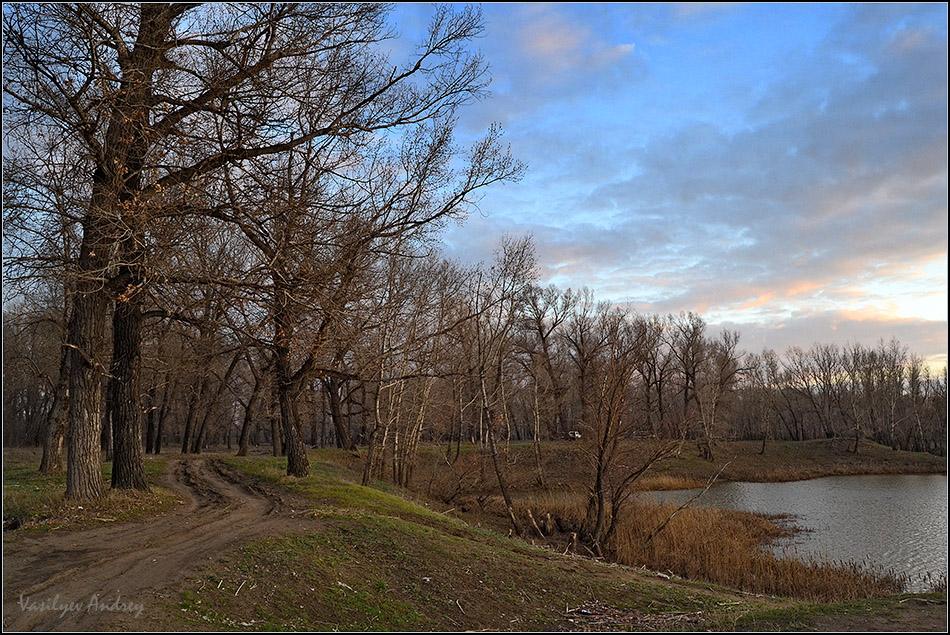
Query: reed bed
[(719, 546), (724, 547), (727, 547)]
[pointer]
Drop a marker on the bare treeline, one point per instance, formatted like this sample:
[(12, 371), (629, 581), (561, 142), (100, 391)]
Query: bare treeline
[(883, 393), (219, 230), (440, 352)]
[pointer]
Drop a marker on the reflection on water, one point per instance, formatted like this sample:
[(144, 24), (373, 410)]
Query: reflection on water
[(896, 522)]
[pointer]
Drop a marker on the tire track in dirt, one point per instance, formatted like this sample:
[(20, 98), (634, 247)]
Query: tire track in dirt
[(96, 579)]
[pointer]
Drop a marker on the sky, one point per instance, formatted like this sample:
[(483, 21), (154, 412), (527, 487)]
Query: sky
[(780, 169)]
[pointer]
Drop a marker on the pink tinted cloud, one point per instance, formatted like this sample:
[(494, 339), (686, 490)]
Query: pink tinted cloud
[(549, 34), (556, 44)]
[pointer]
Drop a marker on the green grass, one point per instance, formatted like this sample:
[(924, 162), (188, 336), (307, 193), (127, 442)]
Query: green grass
[(831, 616), (373, 573), (378, 561), (334, 490), (35, 501)]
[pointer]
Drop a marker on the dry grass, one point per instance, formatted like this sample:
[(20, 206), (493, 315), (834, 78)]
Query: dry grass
[(726, 547), (556, 512), (656, 482)]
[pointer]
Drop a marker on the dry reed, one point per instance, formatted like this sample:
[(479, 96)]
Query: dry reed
[(726, 547)]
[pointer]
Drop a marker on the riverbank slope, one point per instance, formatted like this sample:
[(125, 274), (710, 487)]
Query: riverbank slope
[(322, 553)]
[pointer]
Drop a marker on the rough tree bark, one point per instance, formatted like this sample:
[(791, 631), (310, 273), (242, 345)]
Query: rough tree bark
[(85, 332), (128, 467)]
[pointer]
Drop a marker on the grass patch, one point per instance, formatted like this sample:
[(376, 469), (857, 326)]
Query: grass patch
[(35, 501), (362, 573), (331, 487), (380, 562), (906, 612)]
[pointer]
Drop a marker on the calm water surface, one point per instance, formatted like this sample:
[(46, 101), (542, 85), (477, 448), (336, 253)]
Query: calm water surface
[(896, 522)]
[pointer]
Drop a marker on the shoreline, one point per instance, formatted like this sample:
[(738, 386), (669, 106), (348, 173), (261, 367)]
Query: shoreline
[(697, 484), (789, 461)]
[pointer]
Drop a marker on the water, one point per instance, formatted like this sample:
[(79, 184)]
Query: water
[(892, 522)]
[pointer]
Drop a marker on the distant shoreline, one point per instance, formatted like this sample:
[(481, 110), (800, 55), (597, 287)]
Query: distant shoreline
[(787, 461)]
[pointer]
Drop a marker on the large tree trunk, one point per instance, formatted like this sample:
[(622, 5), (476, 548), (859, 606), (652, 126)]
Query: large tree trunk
[(128, 467), (85, 333), (294, 448), (297, 462), (115, 184), (128, 463)]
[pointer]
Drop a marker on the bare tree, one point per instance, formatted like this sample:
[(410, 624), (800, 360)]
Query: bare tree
[(685, 337), (42, 190), (414, 312), (161, 97), (716, 379), (545, 313), (29, 372), (656, 371), (498, 296), (608, 348)]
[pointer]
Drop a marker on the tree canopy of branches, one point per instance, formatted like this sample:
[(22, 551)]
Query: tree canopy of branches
[(166, 107)]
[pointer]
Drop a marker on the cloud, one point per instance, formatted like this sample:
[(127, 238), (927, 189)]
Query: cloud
[(547, 58), (758, 184), (814, 194), (549, 35)]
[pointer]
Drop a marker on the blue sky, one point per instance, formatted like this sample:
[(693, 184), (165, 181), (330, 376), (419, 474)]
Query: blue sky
[(780, 169)]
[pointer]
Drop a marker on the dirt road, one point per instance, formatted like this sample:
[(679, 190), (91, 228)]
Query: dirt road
[(108, 577)]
